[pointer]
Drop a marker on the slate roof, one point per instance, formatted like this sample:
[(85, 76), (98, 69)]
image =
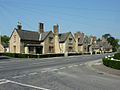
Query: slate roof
[(63, 37), (5, 45), (105, 45), (83, 40), (32, 35)]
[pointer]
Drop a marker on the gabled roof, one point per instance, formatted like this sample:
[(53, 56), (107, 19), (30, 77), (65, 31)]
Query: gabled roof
[(105, 45), (5, 45), (82, 40), (63, 36), (32, 35)]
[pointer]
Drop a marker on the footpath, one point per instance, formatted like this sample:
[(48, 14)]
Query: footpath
[(98, 66)]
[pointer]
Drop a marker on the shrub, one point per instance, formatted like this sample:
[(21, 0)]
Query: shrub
[(111, 63), (117, 56)]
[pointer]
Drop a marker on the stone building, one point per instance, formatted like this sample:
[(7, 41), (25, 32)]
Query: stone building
[(3, 47), (102, 46), (26, 41), (83, 43), (64, 42)]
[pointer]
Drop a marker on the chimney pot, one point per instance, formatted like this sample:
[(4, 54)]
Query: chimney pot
[(19, 26)]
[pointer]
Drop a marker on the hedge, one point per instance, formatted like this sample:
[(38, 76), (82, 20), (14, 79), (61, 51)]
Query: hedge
[(117, 56), (19, 55), (111, 63)]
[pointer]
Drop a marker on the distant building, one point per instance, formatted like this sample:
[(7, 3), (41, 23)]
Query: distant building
[(102, 46), (83, 44), (4, 47)]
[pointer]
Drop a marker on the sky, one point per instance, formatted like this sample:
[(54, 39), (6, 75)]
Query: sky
[(93, 17)]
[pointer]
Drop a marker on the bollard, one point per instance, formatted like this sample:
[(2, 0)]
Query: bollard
[(66, 54)]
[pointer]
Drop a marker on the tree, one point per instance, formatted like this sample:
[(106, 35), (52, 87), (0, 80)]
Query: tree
[(5, 39), (112, 41), (106, 36), (98, 39)]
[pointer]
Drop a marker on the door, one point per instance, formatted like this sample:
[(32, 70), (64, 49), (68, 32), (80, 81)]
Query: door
[(39, 50)]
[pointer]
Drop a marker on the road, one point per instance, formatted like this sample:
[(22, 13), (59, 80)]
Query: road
[(62, 73)]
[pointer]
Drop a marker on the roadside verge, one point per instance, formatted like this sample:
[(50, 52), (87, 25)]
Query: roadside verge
[(98, 67)]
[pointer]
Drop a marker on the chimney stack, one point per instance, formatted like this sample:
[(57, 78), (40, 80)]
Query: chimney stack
[(19, 26), (41, 27), (56, 29), (82, 34)]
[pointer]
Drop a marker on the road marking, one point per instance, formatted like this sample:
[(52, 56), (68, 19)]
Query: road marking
[(62, 68), (54, 70), (43, 71), (81, 64), (20, 76), (70, 66), (75, 65), (27, 85), (3, 81), (34, 73), (97, 63)]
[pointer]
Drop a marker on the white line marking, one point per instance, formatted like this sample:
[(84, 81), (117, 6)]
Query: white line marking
[(33, 73), (70, 66), (62, 67), (54, 69), (26, 85), (19, 76), (81, 64), (75, 65), (43, 71), (97, 63), (3, 81)]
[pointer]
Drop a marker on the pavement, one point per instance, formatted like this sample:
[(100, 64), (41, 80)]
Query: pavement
[(99, 67), (65, 73)]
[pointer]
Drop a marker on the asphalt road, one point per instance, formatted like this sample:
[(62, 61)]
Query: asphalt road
[(70, 73)]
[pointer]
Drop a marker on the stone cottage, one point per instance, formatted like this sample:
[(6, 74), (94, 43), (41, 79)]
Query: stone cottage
[(26, 41)]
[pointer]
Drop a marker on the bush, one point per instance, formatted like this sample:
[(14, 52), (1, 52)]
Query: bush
[(111, 63), (117, 56), (19, 55)]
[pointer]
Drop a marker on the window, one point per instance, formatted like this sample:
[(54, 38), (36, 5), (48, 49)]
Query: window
[(70, 49), (31, 49), (51, 49), (70, 39), (50, 39), (14, 38)]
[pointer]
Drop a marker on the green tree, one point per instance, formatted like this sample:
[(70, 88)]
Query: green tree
[(98, 39), (5, 39), (113, 41)]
